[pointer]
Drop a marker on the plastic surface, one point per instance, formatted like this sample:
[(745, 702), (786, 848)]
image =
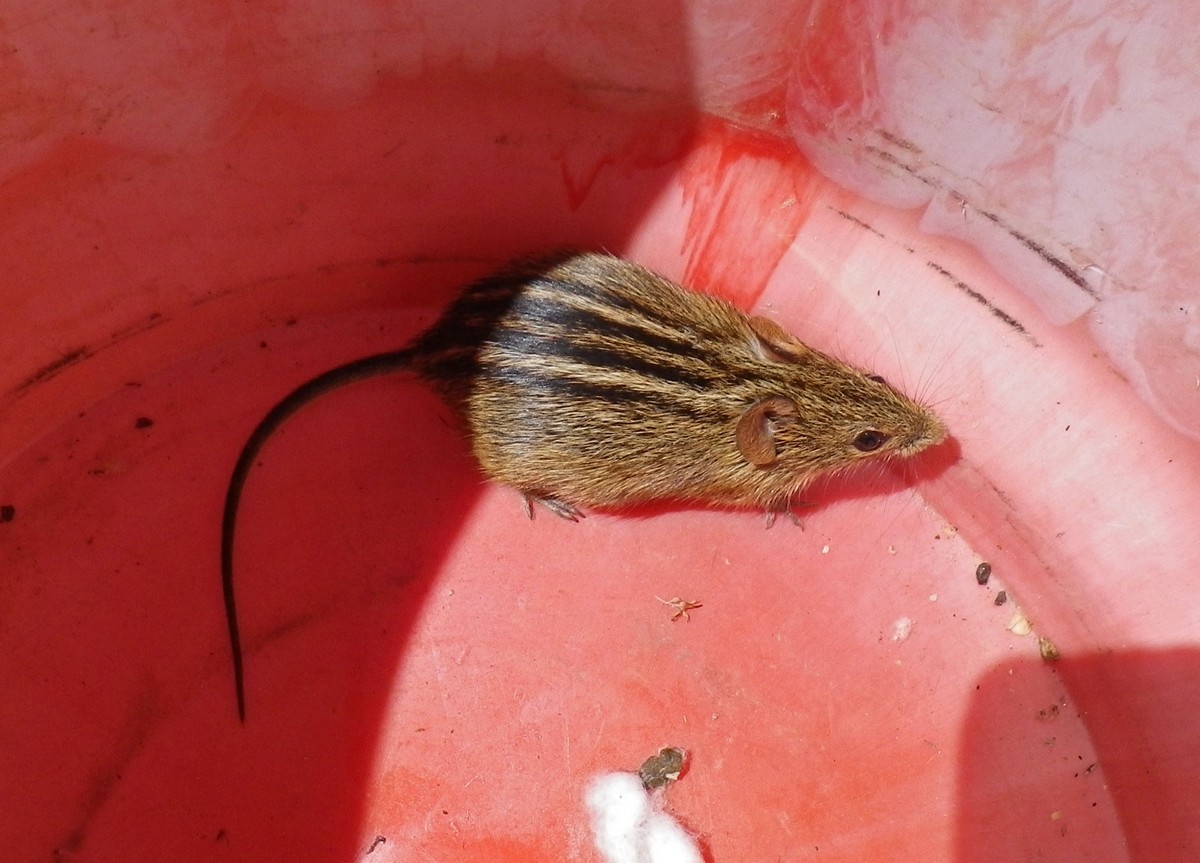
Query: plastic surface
[(426, 665)]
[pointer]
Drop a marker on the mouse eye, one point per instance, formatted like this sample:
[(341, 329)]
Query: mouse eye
[(879, 379), (870, 440)]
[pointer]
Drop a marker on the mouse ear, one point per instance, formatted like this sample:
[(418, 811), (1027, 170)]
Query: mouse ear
[(756, 429), (776, 343)]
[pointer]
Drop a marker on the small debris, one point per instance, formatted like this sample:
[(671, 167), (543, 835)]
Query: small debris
[(1019, 623), (376, 842), (681, 606), (662, 768), (901, 629), (1047, 649), (7, 512), (143, 423), (1001, 598), (983, 572), (1048, 713)]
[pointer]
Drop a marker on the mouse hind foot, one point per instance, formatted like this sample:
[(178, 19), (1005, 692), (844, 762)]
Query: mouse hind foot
[(559, 507), (790, 511)]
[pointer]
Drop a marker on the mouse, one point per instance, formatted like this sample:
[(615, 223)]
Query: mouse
[(586, 381)]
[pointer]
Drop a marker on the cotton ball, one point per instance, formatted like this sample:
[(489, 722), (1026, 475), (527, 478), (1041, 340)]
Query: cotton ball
[(619, 806), (628, 826), (667, 842)]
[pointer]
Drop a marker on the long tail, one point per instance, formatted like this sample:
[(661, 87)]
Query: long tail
[(367, 367)]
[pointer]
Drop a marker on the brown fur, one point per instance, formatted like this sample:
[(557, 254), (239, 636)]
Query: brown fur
[(632, 389), (585, 380)]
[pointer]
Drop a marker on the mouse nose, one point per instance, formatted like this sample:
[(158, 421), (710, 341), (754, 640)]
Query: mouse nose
[(931, 433)]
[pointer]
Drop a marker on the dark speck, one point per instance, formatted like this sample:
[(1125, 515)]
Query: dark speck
[(1001, 598), (983, 572), (7, 512), (143, 423)]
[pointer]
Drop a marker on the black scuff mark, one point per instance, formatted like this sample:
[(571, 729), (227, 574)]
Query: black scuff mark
[(885, 156), (902, 143), (1042, 252), (56, 367), (997, 312), (105, 779), (857, 221), (52, 369), (1062, 267)]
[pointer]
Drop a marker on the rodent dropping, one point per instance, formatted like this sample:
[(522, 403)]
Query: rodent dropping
[(583, 380)]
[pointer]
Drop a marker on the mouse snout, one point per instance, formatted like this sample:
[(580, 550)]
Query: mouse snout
[(929, 432)]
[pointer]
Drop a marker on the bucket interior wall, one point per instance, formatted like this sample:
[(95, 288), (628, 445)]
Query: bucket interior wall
[(203, 208)]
